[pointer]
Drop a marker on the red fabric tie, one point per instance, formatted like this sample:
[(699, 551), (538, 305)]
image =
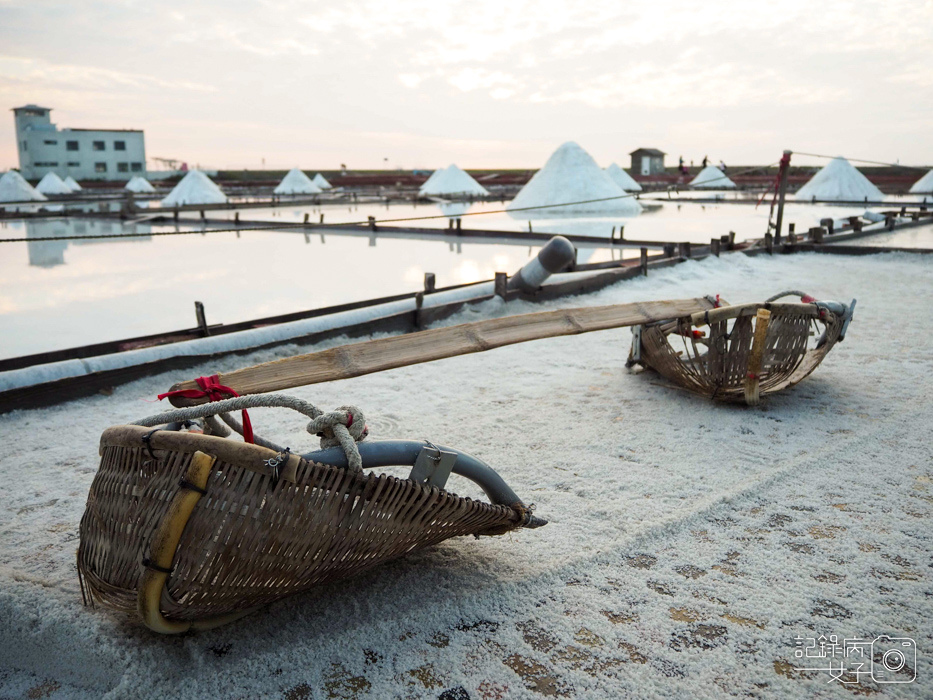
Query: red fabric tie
[(215, 391)]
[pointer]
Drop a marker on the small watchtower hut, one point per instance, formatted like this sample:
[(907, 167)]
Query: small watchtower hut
[(647, 161)]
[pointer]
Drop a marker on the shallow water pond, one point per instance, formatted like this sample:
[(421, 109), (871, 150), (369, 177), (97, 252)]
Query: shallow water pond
[(59, 294)]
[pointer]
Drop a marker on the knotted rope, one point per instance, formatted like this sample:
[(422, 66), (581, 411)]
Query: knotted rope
[(343, 427), (215, 391)]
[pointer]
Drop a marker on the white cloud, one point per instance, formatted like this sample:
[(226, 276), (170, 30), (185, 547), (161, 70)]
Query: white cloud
[(411, 80), (469, 79), (432, 77), (40, 75)]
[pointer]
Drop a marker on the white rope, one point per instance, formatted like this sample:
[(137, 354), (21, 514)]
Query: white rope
[(342, 428)]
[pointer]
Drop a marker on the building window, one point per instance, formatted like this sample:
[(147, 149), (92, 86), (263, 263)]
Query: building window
[(50, 143), (99, 146), (136, 167), (46, 165), (119, 145), (123, 167), (74, 165), (33, 112), (100, 167), (25, 146), (71, 145)]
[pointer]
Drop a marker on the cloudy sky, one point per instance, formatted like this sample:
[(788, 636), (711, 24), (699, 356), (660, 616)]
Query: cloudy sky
[(484, 83)]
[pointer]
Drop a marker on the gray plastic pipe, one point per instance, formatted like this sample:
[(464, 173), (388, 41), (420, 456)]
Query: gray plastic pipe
[(556, 254), (395, 453)]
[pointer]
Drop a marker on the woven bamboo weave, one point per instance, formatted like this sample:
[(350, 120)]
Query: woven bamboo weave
[(249, 540), (718, 366)]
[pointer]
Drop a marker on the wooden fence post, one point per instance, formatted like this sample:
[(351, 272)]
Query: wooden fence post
[(202, 320), (501, 284)]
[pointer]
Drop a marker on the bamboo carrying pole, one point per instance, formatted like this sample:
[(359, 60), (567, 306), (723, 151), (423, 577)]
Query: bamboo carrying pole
[(400, 351)]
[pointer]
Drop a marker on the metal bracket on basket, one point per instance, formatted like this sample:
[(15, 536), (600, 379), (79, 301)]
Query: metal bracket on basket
[(276, 463), (845, 314), (433, 466)]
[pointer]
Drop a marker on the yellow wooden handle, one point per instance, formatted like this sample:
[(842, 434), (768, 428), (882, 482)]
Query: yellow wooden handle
[(165, 543), (755, 357)]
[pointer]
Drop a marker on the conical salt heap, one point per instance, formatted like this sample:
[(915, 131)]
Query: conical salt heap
[(712, 178), (623, 179), (431, 179), (452, 181), (839, 181), (296, 182), (52, 184), (195, 188), (924, 185), (571, 175), (73, 184), (139, 185), (320, 181), (14, 188)]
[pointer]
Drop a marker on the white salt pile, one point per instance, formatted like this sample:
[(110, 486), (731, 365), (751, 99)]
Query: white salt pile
[(712, 178), (195, 188), (73, 184), (432, 179), (296, 182), (924, 185), (623, 179), (839, 181), (140, 185), (320, 181), (572, 176), (690, 543), (454, 182), (14, 188), (52, 184)]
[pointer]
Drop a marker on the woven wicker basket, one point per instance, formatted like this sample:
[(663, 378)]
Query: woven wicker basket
[(751, 349), (191, 531)]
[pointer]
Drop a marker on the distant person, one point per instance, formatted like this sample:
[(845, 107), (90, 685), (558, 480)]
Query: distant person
[(722, 166), (680, 166), (705, 160)]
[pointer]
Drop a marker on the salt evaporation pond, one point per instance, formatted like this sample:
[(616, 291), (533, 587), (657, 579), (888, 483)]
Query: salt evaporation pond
[(59, 294)]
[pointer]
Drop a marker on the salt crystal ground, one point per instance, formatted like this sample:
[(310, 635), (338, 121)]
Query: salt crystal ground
[(689, 543)]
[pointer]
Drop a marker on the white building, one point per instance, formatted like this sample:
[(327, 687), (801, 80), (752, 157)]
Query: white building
[(84, 154)]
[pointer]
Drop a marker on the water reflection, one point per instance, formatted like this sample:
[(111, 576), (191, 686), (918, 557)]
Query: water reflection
[(49, 253), (593, 225), (454, 209)]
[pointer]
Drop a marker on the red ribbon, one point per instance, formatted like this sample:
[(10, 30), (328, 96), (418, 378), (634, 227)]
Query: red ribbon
[(215, 391)]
